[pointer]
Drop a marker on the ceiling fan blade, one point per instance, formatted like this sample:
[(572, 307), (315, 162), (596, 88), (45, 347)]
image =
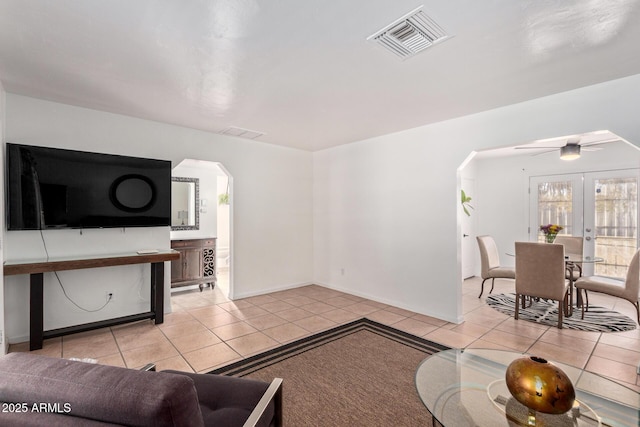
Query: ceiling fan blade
[(536, 148), (608, 141), (544, 152)]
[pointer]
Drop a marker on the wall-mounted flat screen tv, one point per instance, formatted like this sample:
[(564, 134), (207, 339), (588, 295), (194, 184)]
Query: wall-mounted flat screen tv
[(49, 188)]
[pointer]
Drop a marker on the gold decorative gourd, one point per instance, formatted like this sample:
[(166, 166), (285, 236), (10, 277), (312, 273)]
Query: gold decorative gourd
[(540, 385)]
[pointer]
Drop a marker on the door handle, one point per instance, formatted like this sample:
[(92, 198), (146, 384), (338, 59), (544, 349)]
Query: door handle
[(465, 235), (588, 230), (587, 238)]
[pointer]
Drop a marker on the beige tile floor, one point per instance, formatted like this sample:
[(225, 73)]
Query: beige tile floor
[(206, 331)]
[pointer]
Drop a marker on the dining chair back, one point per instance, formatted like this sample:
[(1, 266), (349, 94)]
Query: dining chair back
[(540, 273), (627, 289), (490, 267), (572, 244)]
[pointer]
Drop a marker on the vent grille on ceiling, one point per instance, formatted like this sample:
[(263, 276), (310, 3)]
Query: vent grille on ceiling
[(241, 133), (410, 34)]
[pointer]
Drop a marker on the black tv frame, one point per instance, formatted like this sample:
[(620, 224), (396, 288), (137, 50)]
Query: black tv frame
[(99, 190)]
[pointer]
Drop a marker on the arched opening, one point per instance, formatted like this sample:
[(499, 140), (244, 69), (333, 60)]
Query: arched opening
[(501, 200), (215, 208)]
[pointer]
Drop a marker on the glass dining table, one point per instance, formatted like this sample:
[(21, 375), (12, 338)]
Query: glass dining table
[(467, 388)]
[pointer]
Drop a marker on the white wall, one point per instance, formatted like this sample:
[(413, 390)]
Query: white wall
[(386, 210), (224, 239), (272, 206), (3, 341), (502, 203)]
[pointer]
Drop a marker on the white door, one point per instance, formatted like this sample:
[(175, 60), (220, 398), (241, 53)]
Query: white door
[(611, 220), (469, 244), (601, 206)]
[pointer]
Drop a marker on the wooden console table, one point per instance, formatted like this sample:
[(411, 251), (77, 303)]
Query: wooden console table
[(36, 269)]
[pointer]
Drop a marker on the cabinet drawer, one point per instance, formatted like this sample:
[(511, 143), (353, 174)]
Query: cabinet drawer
[(193, 243), (181, 243)]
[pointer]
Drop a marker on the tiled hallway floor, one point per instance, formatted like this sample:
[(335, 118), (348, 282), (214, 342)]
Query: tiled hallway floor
[(206, 330)]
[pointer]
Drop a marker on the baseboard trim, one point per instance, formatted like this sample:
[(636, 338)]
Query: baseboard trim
[(15, 340), (444, 317), (270, 290)]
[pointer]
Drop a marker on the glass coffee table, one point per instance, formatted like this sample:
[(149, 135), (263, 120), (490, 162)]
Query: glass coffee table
[(467, 388)]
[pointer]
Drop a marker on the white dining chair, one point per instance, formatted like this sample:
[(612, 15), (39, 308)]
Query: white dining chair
[(573, 245), (490, 263), (627, 289), (540, 273)]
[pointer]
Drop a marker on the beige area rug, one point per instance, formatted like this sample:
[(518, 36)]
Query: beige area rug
[(359, 374)]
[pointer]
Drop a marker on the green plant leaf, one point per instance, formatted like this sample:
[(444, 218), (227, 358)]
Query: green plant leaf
[(464, 200)]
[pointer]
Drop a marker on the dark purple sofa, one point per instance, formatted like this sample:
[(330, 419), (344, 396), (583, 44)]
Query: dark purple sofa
[(38, 390)]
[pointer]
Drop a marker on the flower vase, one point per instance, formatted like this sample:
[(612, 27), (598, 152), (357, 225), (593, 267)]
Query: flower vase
[(550, 237)]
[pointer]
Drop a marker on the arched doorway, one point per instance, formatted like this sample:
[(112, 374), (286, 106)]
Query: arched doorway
[(215, 205), (502, 181)]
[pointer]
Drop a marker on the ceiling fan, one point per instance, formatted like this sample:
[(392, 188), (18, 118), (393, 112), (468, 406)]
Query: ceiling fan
[(572, 148)]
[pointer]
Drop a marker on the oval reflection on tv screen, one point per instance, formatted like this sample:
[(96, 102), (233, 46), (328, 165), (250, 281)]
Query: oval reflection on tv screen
[(133, 193)]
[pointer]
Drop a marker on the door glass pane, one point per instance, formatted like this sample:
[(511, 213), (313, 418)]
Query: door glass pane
[(616, 228), (555, 206)]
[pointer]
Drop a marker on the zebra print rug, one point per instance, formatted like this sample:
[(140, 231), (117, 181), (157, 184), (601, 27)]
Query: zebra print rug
[(597, 319)]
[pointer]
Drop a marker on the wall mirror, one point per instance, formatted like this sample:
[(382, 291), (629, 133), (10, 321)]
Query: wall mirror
[(185, 202)]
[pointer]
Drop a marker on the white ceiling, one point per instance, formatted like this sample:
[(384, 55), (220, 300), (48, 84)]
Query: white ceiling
[(303, 72)]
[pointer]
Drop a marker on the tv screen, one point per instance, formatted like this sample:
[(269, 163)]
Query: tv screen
[(50, 188)]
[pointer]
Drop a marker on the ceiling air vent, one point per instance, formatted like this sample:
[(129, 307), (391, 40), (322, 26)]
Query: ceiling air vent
[(410, 34), (241, 133)]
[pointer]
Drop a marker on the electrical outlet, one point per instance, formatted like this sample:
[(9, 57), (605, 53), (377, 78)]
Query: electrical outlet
[(109, 295)]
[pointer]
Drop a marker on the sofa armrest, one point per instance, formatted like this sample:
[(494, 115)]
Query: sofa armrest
[(230, 401), (273, 393)]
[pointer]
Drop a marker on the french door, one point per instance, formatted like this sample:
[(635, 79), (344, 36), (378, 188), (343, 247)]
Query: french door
[(602, 207)]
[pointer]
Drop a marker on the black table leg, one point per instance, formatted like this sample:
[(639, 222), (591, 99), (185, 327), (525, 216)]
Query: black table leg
[(36, 311), (157, 291)]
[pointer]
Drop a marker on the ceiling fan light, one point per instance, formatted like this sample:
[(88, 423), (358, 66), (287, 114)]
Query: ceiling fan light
[(570, 152)]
